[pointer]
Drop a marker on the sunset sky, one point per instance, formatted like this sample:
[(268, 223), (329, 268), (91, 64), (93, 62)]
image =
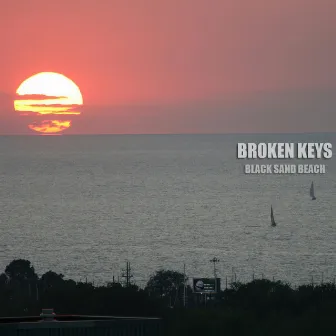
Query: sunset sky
[(177, 66)]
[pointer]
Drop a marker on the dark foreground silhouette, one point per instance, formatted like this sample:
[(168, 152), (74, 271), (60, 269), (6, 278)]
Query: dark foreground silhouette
[(261, 307)]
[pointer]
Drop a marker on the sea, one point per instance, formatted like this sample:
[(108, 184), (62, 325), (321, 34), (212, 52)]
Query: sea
[(84, 205)]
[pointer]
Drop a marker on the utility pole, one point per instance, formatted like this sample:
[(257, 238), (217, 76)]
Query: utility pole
[(214, 261), (128, 274)]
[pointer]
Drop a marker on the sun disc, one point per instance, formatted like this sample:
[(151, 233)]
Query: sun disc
[(48, 93)]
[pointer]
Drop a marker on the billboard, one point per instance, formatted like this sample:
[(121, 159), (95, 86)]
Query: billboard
[(206, 285)]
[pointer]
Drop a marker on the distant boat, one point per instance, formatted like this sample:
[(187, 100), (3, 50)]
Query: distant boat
[(272, 218), (312, 193)]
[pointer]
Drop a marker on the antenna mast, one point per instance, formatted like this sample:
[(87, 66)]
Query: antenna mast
[(128, 274)]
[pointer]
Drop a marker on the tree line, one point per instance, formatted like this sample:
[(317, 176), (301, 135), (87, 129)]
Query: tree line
[(260, 307)]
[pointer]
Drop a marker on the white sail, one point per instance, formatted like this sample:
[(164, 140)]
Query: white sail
[(311, 192), (272, 217)]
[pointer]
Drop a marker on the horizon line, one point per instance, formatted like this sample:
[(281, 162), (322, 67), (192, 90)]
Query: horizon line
[(226, 133)]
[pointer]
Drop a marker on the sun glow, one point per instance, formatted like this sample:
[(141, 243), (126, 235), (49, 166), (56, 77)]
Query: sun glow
[(48, 94)]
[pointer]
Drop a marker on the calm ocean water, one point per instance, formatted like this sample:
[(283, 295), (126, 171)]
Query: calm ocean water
[(83, 205)]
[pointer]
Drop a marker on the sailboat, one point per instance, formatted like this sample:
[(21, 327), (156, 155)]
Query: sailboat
[(272, 218), (312, 193)]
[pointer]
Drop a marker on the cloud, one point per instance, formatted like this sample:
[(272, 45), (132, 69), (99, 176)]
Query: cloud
[(44, 109), (50, 126), (263, 112), (46, 112), (7, 100), (306, 111), (36, 97)]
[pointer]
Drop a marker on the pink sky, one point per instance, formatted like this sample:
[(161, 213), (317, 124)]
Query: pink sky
[(201, 65)]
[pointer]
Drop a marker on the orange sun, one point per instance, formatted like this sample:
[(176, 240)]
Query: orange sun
[(45, 96)]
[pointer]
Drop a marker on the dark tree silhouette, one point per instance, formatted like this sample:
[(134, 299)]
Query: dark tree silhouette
[(260, 307), (52, 279), (164, 282), (3, 279), (20, 270)]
